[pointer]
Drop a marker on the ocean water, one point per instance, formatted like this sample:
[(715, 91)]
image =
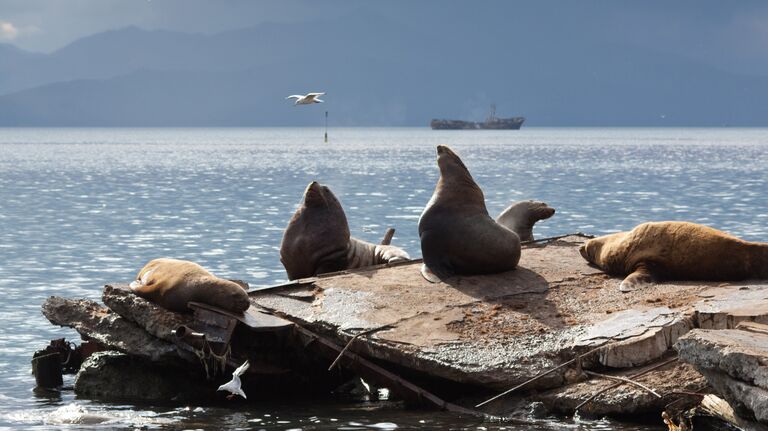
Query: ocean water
[(83, 207)]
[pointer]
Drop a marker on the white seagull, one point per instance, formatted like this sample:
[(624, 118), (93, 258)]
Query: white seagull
[(306, 100), (233, 386)]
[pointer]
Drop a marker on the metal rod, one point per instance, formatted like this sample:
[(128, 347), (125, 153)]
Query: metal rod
[(542, 374), (616, 385)]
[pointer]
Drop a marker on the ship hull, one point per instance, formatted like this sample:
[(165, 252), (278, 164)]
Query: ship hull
[(496, 124)]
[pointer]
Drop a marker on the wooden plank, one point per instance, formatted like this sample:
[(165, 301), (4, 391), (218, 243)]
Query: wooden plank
[(253, 318), (757, 328)]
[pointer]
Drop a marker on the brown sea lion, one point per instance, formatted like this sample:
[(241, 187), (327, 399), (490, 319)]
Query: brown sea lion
[(317, 239), (675, 250), (172, 283), (457, 234), (521, 216)]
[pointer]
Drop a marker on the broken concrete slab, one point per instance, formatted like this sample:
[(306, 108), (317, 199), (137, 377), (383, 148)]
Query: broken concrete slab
[(626, 399), (151, 317), (742, 355), (748, 401), (493, 331), (636, 337), (725, 306), (95, 322), (735, 363)]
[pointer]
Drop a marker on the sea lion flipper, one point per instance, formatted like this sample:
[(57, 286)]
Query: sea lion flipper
[(143, 283), (641, 277), (428, 274), (435, 273)]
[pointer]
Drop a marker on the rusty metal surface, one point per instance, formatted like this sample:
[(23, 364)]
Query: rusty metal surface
[(493, 330)]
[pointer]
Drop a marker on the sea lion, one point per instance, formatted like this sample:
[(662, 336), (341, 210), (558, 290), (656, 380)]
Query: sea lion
[(521, 216), (317, 239), (674, 250), (457, 234), (173, 283)]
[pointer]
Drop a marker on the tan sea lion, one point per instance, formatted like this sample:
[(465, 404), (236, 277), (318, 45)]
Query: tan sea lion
[(317, 239), (173, 283), (457, 234), (521, 216), (676, 250)]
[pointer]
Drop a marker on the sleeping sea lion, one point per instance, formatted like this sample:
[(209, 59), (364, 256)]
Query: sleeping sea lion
[(172, 283), (676, 250), (317, 239), (457, 234), (521, 216)]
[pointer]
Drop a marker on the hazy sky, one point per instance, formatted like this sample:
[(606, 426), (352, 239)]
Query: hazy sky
[(730, 35)]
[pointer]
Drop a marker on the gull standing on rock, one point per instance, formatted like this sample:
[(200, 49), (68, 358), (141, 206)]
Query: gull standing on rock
[(308, 99), (233, 386)]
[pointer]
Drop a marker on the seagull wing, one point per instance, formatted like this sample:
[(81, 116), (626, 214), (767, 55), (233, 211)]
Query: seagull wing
[(241, 369), (295, 96), (315, 94)]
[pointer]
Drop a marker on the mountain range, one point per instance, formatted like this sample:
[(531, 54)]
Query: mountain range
[(376, 72)]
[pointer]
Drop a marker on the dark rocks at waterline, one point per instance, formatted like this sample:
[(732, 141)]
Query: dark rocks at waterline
[(111, 375)]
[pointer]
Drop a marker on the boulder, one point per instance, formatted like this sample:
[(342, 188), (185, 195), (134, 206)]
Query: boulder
[(112, 375)]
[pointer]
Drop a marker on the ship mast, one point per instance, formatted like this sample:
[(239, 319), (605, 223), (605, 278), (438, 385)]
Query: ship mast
[(492, 116)]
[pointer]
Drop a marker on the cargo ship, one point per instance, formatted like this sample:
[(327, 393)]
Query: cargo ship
[(492, 122)]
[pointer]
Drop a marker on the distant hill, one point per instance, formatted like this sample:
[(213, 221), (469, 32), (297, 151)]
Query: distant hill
[(376, 73)]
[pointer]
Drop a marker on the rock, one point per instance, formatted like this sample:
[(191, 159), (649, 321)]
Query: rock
[(725, 307), (98, 323), (636, 337), (112, 375), (735, 363)]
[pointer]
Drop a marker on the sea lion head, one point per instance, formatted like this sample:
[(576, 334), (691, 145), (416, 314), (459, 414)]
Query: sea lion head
[(521, 216), (540, 210), (317, 235), (316, 195), (591, 249), (450, 164), (606, 252), (456, 182)]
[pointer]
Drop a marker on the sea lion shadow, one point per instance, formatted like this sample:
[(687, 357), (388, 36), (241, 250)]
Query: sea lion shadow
[(520, 290)]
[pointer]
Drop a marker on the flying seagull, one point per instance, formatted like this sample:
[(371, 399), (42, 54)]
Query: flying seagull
[(306, 100), (233, 386)]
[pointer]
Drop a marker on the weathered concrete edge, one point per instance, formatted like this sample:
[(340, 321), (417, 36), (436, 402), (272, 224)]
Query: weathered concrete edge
[(95, 322)]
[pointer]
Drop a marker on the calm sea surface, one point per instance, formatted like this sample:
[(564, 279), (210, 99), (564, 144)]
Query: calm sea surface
[(83, 207)]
